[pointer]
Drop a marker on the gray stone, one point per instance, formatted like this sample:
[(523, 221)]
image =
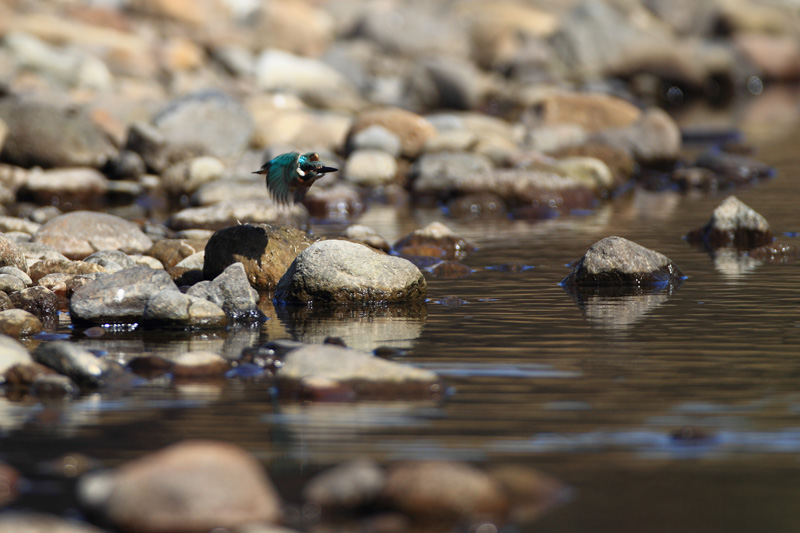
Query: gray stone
[(217, 123), (14, 271), (41, 135), (733, 224), (10, 283), (231, 212), (11, 254), (171, 308), (349, 485), (187, 176), (279, 70), (367, 235), (35, 252), (370, 168), (225, 190), (456, 82), (120, 297), (76, 186), (19, 323), (437, 172), (618, 262), (15, 224), (189, 486), (111, 260), (12, 353), (81, 233), (375, 137), (73, 361), (16, 521), (345, 272), (155, 150), (655, 137), (232, 292)]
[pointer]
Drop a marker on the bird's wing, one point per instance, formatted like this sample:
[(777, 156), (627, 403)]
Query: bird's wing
[(280, 173)]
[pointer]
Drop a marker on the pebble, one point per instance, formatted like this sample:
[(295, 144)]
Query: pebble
[(19, 323), (366, 235), (733, 224), (196, 364), (345, 272), (438, 235), (370, 168), (11, 254), (189, 175), (169, 308), (40, 269), (73, 361), (231, 291), (346, 486), (375, 138), (231, 212), (12, 353), (110, 260), (412, 129), (85, 187), (39, 301)]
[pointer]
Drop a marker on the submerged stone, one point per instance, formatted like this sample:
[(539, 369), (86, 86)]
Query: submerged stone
[(733, 224), (436, 235), (77, 363), (618, 262)]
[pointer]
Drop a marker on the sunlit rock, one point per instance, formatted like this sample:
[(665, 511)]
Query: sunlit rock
[(733, 224)]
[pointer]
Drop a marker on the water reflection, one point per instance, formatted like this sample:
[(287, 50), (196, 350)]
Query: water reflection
[(619, 309), (733, 264), (363, 327)]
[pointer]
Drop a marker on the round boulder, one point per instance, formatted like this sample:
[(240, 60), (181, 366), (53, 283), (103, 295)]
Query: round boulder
[(337, 271)]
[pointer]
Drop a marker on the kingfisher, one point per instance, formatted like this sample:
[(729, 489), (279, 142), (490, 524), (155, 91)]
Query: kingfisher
[(290, 175)]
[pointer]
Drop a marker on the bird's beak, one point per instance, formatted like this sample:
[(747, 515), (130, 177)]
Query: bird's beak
[(324, 170), (262, 171)]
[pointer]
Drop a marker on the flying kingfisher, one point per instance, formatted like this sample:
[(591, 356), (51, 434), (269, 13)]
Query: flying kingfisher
[(293, 174)]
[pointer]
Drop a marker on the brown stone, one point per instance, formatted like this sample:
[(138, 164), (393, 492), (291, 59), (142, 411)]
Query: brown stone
[(172, 251), (72, 268), (413, 130)]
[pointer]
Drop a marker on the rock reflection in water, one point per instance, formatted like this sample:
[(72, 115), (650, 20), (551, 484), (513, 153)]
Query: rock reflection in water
[(620, 309), (361, 327), (732, 263)]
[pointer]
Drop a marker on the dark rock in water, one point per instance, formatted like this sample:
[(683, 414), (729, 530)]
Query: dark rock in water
[(337, 271), (82, 233), (77, 363), (732, 224), (266, 252), (118, 298), (53, 387), (437, 234), (150, 366), (696, 178), (734, 169), (23, 374), (450, 270), (175, 309), (11, 255), (111, 260), (347, 486), (19, 323), (776, 253), (41, 522), (445, 490), (187, 487), (40, 302), (41, 135), (479, 205), (368, 375), (232, 292), (127, 165), (618, 262), (212, 120)]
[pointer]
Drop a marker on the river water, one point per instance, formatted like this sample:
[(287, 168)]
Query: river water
[(663, 412)]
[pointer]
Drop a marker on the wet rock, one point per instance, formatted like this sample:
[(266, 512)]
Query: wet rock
[(229, 213), (12, 353), (375, 138), (366, 235), (75, 362), (368, 375), (53, 387), (19, 323), (10, 284), (24, 374), (444, 490), (111, 260), (345, 272), (439, 235), (189, 486), (119, 297), (67, 187), (174, 309), (530, 492), (10, 254), (480, 205), (439, 172), (197, 364), (82, 233), (42, 135), (412, 129), (340, 201), (450, 270), (187, 176), (231, 291), (40, 302), (347, 486), (734, 169), (695, 178), (266, 252), (5, 302), (370, 168), (44, 268), (39, 523), (733, 224), (776, 253), (170, 252), (618, 262), (211, 120)]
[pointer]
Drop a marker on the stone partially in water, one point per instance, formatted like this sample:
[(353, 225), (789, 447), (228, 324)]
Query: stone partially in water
[(19, 323), (439, 235), (618, 262), (368, 375), (733, 224), (81, 233), (118, 298), (40, 302), (75, 362), (232, 292), (12, 353), (335, 271), (349, 485), (199, 364), (265, 251), (175, 309), (187, 487)]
